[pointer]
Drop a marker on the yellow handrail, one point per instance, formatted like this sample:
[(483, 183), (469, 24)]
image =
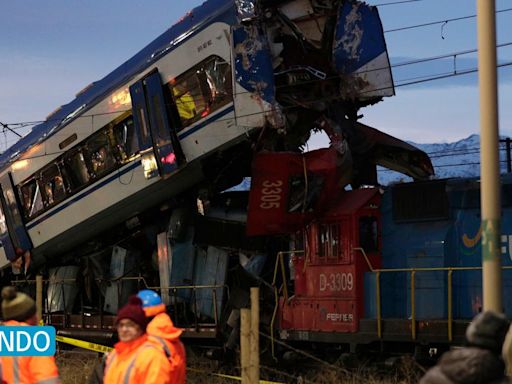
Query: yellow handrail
[(365, 257), (450, 314), (413, 272), (379, 315), (413, 305), (279, 262)]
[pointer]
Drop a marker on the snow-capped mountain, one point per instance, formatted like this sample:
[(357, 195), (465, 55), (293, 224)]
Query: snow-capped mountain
[(457, 159)]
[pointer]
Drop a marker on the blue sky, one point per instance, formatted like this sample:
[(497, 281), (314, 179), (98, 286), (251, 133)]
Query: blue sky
[(49, 50)]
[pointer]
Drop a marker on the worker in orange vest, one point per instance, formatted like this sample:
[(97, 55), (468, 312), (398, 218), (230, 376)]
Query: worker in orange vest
[(19, 309), (135, 359), (163, 330)]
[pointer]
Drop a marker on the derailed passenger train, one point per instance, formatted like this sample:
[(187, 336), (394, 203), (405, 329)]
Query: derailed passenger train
[(123, 187), (229, 79)]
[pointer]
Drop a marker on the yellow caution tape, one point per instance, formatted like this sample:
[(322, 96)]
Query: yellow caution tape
[(104, 349), (228, 376), (84, 344)]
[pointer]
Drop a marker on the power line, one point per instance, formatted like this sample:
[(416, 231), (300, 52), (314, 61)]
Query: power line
[(445, 56), (25, 124), (445, 21), (445, 76), (436, 77), (405, 63), (445, 165), (395, 2), (460, 164), (5, 126), (411, 62)]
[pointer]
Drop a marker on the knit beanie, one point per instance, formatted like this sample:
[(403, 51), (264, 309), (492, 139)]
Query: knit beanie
[(17, 305), (488, 330), (133, 311)]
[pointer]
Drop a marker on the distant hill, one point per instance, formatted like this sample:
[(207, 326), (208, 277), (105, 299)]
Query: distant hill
[(458, 159)]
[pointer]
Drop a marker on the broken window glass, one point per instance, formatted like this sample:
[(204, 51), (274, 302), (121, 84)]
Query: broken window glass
[(202, 90), (100, 154), (96, 156), (75, 169), (125, 139), (53, 185), (218, 77), (303, 193), (190, 101), (31, 198), (3, 223)]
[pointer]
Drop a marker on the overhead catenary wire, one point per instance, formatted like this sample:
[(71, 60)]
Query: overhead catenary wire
[(445, 21), (445, 165), (396, 2), (6, 126), (25, 124), (407, 82), (20, 125), (436, 77)]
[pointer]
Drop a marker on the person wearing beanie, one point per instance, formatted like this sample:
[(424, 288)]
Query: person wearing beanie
[(19, 309), (480, 361), (135, 359), (163, 330)]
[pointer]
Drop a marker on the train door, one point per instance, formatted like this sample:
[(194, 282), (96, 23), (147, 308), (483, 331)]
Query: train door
[(13, 233), (151, 119)]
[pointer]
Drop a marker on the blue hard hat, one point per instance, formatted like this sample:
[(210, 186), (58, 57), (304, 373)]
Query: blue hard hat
[(149, 298)]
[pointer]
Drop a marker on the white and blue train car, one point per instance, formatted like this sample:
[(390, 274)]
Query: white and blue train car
[(226, 76)]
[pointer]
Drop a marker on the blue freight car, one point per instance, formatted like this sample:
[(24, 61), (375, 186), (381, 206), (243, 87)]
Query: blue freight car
[(436, 225)]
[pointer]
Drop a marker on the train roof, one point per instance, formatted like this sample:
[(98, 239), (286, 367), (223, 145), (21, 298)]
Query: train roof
[(192, 22)]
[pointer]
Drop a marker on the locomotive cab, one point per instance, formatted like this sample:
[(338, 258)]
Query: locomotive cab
[(339, 247)]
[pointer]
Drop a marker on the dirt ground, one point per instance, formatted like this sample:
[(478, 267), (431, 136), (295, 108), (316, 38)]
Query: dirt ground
[(76, 366)]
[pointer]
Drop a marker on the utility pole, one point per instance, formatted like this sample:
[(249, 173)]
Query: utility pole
[(489, 156)]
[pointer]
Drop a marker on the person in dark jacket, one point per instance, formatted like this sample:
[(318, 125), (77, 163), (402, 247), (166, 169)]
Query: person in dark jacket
[(480, 361)]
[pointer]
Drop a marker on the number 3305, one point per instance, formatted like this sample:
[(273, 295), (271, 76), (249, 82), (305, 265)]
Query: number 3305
[(271, 194)]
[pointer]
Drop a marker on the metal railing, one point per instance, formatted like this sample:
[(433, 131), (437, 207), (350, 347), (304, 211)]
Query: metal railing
[(284, 283), (143, 284), (413, 271), (279, 264)]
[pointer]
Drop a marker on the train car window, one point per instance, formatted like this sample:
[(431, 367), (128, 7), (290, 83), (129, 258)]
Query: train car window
[(162, 132), (75, 169), (329, 241), (368, 234), (189, 99), (12, 204), (3, 223), (31, 197), (96, 156), (53, 185), (100, 154), (218, 76), (202, 90), (144, 125), (125, 139)]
